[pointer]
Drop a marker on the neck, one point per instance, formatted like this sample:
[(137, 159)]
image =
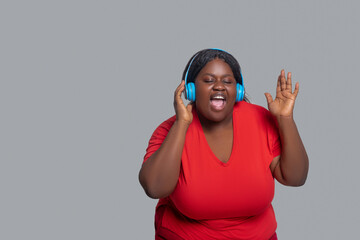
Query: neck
[(213, 126)]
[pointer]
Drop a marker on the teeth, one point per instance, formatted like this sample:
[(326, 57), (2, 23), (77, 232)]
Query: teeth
[(219, 97)]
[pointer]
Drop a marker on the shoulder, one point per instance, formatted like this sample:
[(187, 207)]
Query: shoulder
[(165, 126), (250, 108), (254, 114), (158, 136)]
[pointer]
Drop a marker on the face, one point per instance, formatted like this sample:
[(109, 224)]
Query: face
[(215, 91)]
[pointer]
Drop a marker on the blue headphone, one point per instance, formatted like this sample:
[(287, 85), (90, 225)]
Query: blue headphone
[(190, 87)]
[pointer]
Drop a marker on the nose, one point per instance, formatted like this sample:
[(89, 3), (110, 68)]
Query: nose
[(219, 86)]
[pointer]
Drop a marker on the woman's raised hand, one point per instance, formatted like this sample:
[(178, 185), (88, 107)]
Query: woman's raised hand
[(283, 105), (183, 113)]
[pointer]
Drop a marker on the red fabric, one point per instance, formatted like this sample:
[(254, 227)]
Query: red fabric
[(274, 237), (216, 200)]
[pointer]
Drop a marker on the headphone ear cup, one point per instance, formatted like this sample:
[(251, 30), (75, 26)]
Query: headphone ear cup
[(190, 91), (186, 91), (239, 92)]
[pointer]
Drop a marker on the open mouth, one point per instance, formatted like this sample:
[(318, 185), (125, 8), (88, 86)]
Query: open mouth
[(217, 101)]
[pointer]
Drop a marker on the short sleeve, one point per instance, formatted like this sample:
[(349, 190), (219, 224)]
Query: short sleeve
[(273, 135), (158, 137)]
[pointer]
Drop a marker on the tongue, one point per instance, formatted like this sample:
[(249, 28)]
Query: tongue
[(217, 104)]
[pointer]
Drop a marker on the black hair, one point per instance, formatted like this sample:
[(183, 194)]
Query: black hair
[(201, 58)]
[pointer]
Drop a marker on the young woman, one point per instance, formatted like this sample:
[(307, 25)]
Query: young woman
[(212, 165)]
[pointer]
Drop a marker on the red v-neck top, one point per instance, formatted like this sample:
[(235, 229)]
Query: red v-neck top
[(216, 200)]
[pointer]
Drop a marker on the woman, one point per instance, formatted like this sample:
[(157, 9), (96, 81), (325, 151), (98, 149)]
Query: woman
[(213, 164)]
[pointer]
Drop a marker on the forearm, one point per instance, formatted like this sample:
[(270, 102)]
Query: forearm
[(294, 163), (160, 173)]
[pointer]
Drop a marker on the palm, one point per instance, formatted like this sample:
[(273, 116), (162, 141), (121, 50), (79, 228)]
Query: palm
[(284, 102)]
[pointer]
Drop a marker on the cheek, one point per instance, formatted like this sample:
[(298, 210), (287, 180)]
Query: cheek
[(202, 93), (232, 92)]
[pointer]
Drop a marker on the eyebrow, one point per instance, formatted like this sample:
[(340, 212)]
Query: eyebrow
[(226, 75)]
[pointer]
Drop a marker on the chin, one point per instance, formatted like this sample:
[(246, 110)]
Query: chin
[(216, 116)]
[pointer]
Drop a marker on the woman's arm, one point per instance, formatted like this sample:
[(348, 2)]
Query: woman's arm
[(292, 167), (160, 173)]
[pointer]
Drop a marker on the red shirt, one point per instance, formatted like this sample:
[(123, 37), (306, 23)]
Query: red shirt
[(216, 200)]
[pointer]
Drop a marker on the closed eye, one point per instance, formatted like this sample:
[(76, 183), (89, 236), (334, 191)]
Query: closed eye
[(228, 81), (208, 80)]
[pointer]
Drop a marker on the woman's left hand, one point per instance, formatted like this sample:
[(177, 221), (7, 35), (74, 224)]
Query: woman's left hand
[(284, 102)]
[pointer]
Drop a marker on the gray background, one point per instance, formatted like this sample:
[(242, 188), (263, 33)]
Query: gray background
[(85, 83)]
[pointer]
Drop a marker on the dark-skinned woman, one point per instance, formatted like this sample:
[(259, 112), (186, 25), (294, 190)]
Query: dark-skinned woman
[(212, 165)]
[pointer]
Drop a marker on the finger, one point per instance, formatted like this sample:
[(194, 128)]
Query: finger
[(269, 98), (180, 88), (178, 91), (189, 107), (288, 82), (296, 91), (278, 88), (181, 85), (282, 80)]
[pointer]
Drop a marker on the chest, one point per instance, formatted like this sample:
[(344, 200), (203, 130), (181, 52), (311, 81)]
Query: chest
[(220, 144), (224, 176), (208, 188)]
